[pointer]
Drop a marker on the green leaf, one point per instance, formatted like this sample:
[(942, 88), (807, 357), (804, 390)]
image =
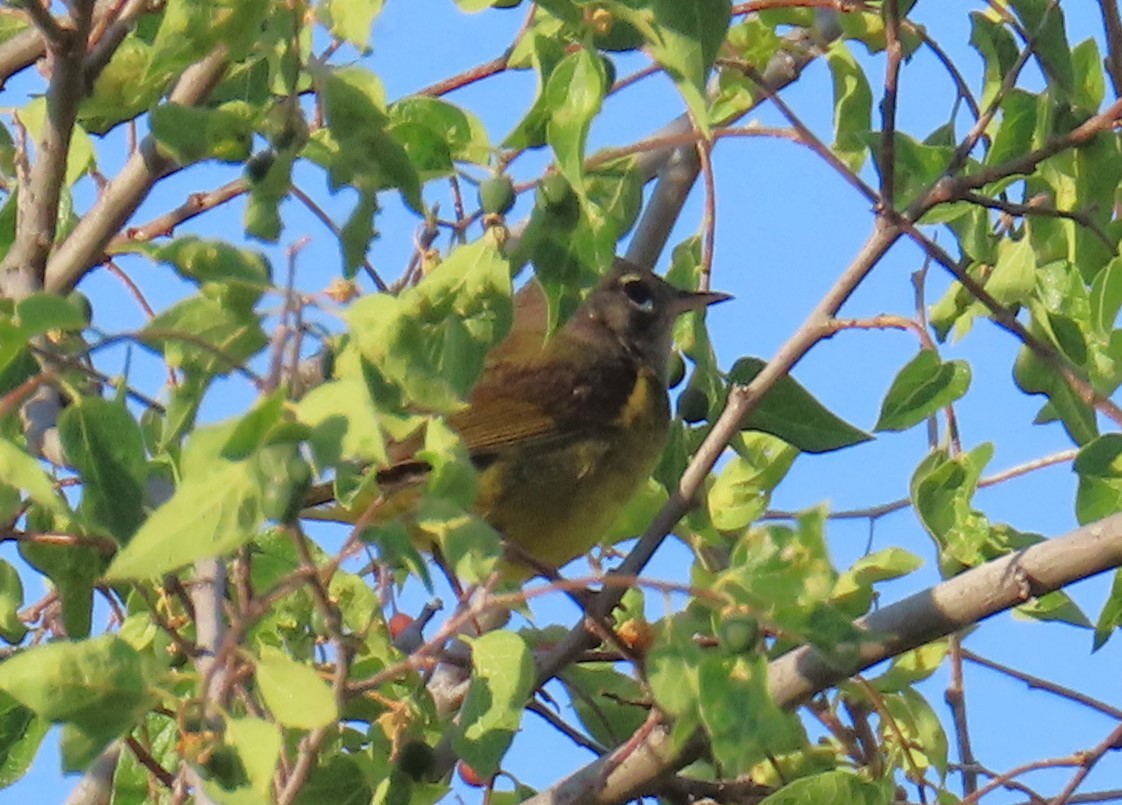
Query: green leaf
[(205, 336), (1054, 606), (1044, 23), (21, 471), (784, 576), (853, 103), (1014, 275), (1087, 69), (350, 20), (998, 49), (925, 385), (258, 743), (191, 134), (132, 779), (835, 786), (684, 38), (916, 734), (470, 545), (439, 134), (604, 700), (742, 491), (341, 779), (942, 490), (104, 444), (12, 629), (615, 191), (73, 569), (1099, 467), (853, 591), (917, 165), (262, 214), (1106, 297), (912, 666), (1015, 132), (432, 339), (743, 722), (295, 694), (234, 277), (346, 423), (573, 95), (101, 686), (21, 733), (1111, 616), (544, 53), (356, 147), (80, 156), (358, 232), (501, 681), (125, 88), (216, 508), (42, 312), (673, 667), (790, 412)]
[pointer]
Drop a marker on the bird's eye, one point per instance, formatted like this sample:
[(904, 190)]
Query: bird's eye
[(638, 292)]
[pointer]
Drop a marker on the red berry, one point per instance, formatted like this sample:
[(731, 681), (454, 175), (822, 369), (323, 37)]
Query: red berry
[(399, 623), (469, 775)]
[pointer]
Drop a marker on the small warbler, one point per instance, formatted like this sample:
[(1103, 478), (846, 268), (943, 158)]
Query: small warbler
[(564, 430)]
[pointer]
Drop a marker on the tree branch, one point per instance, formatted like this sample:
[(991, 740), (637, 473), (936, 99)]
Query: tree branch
[(921, 618), (23, 267), (87, 242)]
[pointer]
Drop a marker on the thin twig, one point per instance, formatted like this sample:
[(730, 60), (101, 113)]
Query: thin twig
[(895, 53), (1003, 779), (325, 219), (1027, 210), (1039, 683), (876, 512), (1087, 761), (164, 225), (955, 696), (1113, 25)]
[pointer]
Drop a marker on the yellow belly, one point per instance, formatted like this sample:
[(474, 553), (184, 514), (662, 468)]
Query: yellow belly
[(558, 502)]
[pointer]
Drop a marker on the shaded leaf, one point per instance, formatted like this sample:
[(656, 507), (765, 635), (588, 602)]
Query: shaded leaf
[(790, 412), (294, 693), (925, 385), (501, 681), (105, 445), (853, 103)]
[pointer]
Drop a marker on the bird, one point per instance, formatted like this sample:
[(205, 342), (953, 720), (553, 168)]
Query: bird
[(563, 429)]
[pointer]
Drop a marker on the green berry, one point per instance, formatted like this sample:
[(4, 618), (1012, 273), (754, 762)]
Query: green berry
[(496, 195), (82, 302), (609, 72), (556, 197), (738, 633), (416, 759), (693, 405), (257, 166), (283, 497)]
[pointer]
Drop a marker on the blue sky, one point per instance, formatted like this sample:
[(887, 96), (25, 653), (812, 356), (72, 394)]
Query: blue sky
[(786, 227)]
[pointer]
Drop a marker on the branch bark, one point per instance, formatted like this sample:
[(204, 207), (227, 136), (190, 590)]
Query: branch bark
[(86, 244), (23, 268)]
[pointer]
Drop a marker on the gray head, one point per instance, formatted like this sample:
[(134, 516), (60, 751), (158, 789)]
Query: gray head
[(638, 308)]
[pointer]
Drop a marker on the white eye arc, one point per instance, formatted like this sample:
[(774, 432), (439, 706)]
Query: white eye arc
[(639, 294)]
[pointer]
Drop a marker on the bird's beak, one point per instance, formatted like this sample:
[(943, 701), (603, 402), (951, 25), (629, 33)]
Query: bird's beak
[(697, 300)]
